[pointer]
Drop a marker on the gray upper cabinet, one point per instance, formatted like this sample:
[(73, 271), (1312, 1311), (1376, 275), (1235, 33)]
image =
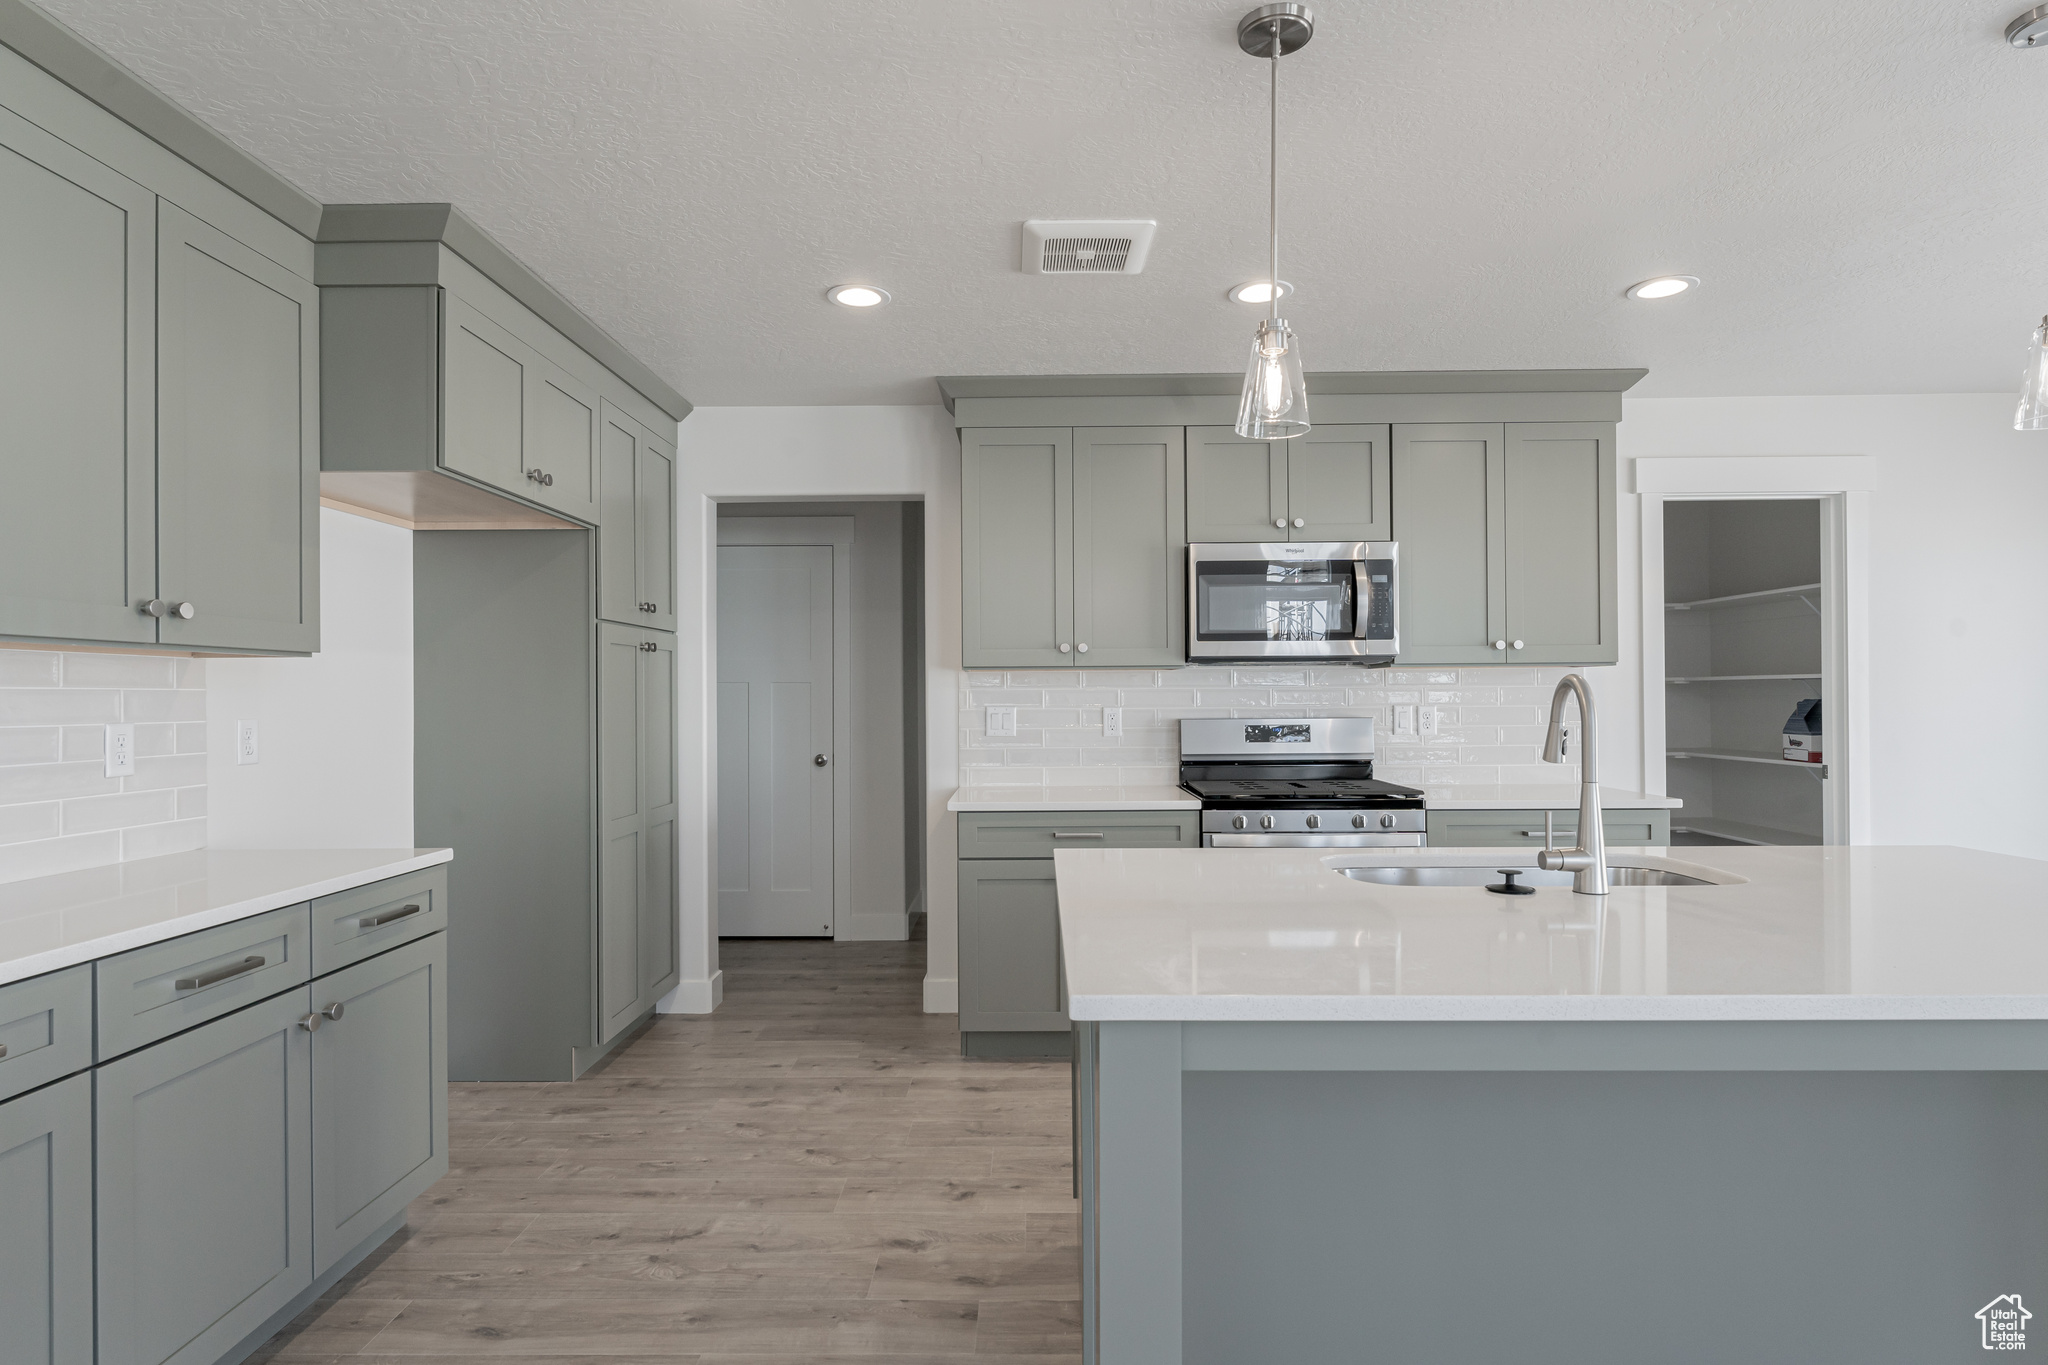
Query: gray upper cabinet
[(1448, 479), (238, 443), (637, 875), (636, 540), (1507, 542), (514, 418), (1560, 543), (1330, 484), (1072, 544), (78, 393), (46, 1309), (380, 1092), (205, 1201)]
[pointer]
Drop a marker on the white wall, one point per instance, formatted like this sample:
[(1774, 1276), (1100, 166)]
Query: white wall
[(335, 730), (811, 454), (1958, 560)]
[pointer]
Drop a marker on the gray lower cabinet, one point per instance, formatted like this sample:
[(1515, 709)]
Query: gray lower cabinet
[(1508, 542), (205, 1185), (46, 1252), (1013, 997), (1072, 545), (1524, 828), (1333, 483), (636, 560), (636, 771), (380, 1092)]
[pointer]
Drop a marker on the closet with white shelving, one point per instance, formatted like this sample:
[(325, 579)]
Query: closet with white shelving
[(1742, 652)]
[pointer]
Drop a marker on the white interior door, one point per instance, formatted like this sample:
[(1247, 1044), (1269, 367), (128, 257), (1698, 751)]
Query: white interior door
[(775, 710)]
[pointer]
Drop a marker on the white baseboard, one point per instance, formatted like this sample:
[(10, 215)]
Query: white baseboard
[(941, 995), (694, 997)]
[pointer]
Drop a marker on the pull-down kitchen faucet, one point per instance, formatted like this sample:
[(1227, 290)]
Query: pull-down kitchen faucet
[(1588, 862)]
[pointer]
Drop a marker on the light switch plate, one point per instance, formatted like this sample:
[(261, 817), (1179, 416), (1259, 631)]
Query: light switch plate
[(120, 751), (1002, 721), (1112, 721), (245, 741), (1404, 720)]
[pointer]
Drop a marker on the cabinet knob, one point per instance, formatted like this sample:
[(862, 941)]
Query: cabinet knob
[(1065, 648), (334, 1011), (1500, 644), (650, 606), (545, 480), (183, 611), (311, 1023), (1280, 522), (1518, 644), (1082, 648), (1299, 522), (156, 606), (648, 646), (820, 761)]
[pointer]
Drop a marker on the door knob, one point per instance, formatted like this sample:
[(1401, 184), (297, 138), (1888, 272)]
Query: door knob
[(1299, 522), (1500, 644), (821, 760)]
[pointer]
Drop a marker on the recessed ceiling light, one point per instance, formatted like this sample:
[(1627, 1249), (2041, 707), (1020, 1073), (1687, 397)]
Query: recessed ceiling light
[(1257, 291), (857, 295), (1663, 287)]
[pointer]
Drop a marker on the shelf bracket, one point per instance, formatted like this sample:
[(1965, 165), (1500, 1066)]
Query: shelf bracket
[(1809, 605)]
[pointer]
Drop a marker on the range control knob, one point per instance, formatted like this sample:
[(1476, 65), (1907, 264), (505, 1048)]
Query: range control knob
[(1358, 822), (1265, 822), (1315, 822), (1386, 822), (1237, 822)]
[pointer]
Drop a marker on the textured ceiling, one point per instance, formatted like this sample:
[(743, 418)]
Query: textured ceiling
[(1463, 186)]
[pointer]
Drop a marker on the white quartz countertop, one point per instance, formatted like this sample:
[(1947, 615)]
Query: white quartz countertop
[(1164, 796), (1813, 933), (52, 922), (1540, 796)]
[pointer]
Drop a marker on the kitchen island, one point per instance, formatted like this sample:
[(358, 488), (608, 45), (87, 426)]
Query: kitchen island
[(1794, 1116)]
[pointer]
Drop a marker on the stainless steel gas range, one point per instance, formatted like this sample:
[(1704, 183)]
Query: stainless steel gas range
[(1295, 784)]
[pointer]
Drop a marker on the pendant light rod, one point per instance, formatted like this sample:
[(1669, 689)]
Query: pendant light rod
[(1274, 404), (1273, 176)]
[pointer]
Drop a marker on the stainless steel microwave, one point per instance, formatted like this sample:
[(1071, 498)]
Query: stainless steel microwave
[(1335, 599)]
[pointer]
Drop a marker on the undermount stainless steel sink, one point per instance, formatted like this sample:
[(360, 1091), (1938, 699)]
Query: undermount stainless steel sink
[(1617, 875)]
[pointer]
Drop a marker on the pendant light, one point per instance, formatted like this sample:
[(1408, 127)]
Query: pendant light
[(1275, 402), (2033, 410)]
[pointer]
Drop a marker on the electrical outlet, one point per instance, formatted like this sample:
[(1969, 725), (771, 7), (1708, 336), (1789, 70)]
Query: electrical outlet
[(1002, 721), (120, 750), (1404, 720), (1425, 721), (245, 741), (1112, 721)]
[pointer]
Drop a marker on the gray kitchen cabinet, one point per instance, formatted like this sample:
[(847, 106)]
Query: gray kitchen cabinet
[(1524, 828), (513, 418), (78, 393), (636, 772), (1010, 974), (364, 921), (1508, 544), (238, 443), (380, 1092), (164, 988), (1072, 543), (204, 1164), (636, 572), (45, 1029), (46, 1254), (1334, 483)]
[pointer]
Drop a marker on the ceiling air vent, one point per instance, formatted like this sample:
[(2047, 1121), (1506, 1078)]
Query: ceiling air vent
[(1098, 247)]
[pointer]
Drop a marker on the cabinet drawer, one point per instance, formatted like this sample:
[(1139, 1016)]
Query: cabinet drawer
[(1524, 828), (45, 1028), (349, 926), (1039, 834), (168, 987)]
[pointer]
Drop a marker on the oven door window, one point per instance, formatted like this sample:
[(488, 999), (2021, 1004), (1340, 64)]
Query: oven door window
[(1260, 600)]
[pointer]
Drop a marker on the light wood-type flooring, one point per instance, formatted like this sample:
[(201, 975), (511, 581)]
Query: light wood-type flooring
[(812, 1174)]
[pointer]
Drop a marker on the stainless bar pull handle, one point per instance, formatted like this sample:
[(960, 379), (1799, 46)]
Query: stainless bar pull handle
[(386, 916), (1062, 834), (217, 975)]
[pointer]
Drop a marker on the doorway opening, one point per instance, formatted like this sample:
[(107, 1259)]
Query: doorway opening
[(1750, 604), (820, 720)]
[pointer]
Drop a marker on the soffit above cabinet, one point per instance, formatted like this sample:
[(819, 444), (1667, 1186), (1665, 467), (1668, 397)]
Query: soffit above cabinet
[(1348, 396)]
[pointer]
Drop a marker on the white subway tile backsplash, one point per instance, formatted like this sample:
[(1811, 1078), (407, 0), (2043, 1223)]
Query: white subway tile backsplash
[(59, 812), (1489, 720)]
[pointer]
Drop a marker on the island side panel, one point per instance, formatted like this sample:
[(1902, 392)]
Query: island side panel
[(1131, 1195), (1580, 1218)]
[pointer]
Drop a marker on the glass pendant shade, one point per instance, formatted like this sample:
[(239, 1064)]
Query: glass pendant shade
[(2033, 409), (1275, 402)]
